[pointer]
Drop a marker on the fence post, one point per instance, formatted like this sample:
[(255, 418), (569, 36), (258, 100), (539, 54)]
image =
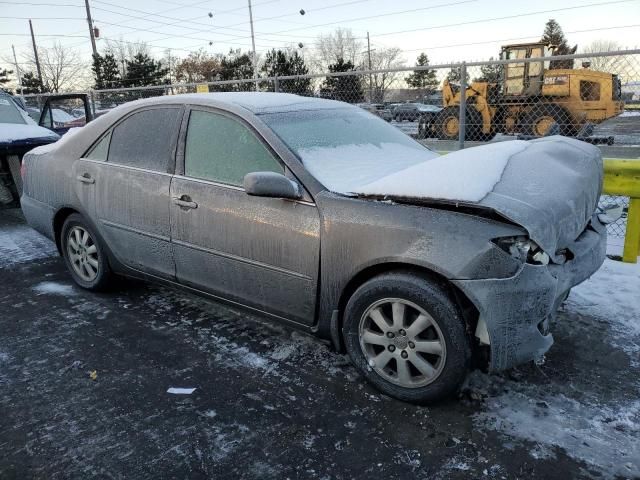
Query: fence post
[(276, 84), (462, 116), (92, 100)]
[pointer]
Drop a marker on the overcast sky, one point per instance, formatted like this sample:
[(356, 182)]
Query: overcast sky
[(447, 30)]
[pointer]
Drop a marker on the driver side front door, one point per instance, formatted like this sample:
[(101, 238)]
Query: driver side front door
[(260, 252)]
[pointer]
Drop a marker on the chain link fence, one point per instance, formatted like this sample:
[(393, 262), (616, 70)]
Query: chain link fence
[(526, 94)]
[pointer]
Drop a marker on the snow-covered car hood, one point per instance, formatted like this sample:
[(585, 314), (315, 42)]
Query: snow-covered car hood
[(19, 133), (549, 186)]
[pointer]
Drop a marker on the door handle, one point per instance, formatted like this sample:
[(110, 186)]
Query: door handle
[(185, 202), (86, 178)]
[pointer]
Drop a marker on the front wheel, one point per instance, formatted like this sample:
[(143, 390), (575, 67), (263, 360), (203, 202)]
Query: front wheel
[(407, 337), (84, 255)]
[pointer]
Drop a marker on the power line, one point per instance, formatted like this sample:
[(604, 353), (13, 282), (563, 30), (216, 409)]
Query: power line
[(413, 10), (515, 38), (508, 17), (42, 18)]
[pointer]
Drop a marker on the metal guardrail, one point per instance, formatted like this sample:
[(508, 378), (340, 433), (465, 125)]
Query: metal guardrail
[(622, 177)]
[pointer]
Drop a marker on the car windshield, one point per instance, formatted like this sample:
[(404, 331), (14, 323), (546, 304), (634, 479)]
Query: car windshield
[(345, 148), (9, 112)]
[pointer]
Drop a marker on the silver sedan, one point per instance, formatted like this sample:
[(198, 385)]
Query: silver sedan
[(321, 215)]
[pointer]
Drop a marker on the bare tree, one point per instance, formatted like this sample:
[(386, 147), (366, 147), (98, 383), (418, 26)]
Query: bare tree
[(339, 44), (383, 59), (124, 50), (62, 68), (603, 64)]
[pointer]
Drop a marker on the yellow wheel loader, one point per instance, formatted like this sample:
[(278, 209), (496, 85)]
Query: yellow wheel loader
[(530, 99)]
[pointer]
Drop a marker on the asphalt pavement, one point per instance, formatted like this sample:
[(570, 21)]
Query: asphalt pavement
[(84, 380)]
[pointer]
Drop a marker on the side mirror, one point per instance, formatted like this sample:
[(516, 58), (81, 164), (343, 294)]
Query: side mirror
[(271, 184)]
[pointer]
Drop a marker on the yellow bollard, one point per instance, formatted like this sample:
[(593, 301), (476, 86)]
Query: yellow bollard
[(632, 238), (622, 177)]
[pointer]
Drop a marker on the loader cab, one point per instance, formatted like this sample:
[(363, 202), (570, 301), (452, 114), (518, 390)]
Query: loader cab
[(524, 79)]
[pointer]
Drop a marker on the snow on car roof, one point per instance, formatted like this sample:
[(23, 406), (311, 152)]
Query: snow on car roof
[(256, 102)]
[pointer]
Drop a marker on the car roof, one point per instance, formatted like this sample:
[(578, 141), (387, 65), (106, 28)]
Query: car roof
[(256, 102)]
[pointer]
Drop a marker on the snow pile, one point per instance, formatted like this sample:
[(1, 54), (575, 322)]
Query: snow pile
[(53, 288), (391, 169), (612, 295), (604, 436), (12, 132)]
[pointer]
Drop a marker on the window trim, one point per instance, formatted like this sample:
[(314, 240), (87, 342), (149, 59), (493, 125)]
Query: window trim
[(181, 157)]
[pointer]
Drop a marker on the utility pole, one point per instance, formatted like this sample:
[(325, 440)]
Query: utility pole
[(15, 59), (370, 78), (91, 33), (253, 44), (35, 54)]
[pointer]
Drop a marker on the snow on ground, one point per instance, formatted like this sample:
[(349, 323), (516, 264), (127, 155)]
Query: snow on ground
[(630, 113), (54, 288), (605, 436), (21, 243), (612, 295)]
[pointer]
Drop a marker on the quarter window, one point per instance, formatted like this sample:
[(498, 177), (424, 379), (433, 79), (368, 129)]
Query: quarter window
[(145, 139), (224, 150), (101, 149)]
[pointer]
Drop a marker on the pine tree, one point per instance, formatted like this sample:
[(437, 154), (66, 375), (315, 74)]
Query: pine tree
[(454, 76), (4, 77), (347, 88), (142, 70), (280, 64), (423, 79), (491, 73), (554, 35), (106, 72), (32, 84), (236, 66)]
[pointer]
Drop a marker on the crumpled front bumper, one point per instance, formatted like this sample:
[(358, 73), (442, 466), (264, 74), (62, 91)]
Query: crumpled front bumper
[(515, 309)]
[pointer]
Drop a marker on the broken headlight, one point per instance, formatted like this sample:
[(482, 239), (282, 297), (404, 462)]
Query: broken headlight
[(609, 213), (523, 249)]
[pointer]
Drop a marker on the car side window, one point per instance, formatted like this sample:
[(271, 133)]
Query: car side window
[(145, 139), (100, 151), (224, 150)]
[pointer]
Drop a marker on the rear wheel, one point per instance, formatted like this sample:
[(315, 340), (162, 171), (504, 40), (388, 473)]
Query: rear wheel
[(84, 255), (407, 337), (538, 121)]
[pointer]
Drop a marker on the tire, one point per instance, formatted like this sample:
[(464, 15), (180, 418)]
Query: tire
[(539, 119), (416, 341), (85, 257), (447, 124)]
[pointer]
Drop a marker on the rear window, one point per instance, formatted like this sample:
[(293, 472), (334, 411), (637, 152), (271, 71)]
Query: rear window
[(9, 112)]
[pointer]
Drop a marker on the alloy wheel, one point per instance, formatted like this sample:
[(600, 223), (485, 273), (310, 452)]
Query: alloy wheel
[(82, 253), (402, 342)]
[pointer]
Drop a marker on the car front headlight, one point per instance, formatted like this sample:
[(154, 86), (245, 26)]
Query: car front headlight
[(523, 249)]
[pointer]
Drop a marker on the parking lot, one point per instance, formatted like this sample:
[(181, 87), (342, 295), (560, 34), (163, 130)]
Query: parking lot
[(84, 379)]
